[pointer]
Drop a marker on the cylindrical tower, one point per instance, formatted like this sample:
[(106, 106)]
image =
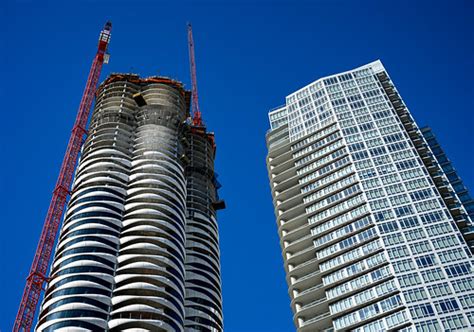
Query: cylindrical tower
[(203, 285), (78, 295), (149, 289)]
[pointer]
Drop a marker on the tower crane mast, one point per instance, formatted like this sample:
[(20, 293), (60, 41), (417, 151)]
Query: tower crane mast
[(39, 268), (197, 118)]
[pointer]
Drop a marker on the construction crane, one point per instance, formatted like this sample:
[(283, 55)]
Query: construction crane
[(197, 119), (39, 268)]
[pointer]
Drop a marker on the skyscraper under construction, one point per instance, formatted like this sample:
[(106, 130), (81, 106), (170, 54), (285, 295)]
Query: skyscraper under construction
[(375, 225), (139, 246)]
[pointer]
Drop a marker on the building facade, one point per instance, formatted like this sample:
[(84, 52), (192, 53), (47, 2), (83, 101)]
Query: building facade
[(369, 222), (456, 182), (139, 245)]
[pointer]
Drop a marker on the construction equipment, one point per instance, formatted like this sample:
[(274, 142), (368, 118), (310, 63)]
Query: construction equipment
[(197, 119), (198, 126), (39, 267)]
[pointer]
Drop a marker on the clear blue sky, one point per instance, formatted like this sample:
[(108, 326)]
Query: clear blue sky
[(250, 55)]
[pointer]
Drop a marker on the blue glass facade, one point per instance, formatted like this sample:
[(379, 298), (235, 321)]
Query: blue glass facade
[(456, 182)]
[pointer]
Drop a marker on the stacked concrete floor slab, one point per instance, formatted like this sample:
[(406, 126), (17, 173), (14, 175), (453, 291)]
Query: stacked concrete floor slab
[(139, 247)]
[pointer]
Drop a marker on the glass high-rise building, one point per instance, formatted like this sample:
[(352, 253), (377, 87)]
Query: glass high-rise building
[(372, 231), (139, 247)]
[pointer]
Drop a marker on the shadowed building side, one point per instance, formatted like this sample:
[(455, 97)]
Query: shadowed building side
[(461, 195), (203, 284), (149, 278)]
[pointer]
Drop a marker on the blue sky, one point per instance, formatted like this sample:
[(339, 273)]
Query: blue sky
[(250, 55)]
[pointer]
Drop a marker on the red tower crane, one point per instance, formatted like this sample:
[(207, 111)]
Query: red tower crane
[(39, 267), (197, 119)]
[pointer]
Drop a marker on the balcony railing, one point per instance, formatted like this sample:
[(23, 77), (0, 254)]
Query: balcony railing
[(315, 319), (314, 303), (307, 276), (312, 289)]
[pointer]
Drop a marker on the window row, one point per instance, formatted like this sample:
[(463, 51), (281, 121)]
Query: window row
[(333, 198), (314, 146), (347, 243), (368, 312), (363, 297), (352, 227), (314, 137), (325, 159), (331, 188), (326, 169), (350, 256), (355, 268), (327, 179), (389, 322), (341, 219), (345, 205), (359, 282)]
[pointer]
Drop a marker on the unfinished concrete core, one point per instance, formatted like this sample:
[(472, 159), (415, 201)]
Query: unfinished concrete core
[(139, 248)]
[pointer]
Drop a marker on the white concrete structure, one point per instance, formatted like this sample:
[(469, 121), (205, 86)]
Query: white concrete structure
[(139, 247), (369, 224)]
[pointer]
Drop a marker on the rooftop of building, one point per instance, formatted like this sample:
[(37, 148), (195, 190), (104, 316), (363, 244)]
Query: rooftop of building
[(277, 114), (142, 81), (376, 66)]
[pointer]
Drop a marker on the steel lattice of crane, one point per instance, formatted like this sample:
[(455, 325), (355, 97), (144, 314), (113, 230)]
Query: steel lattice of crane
[(197, 119), (39, 267)]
